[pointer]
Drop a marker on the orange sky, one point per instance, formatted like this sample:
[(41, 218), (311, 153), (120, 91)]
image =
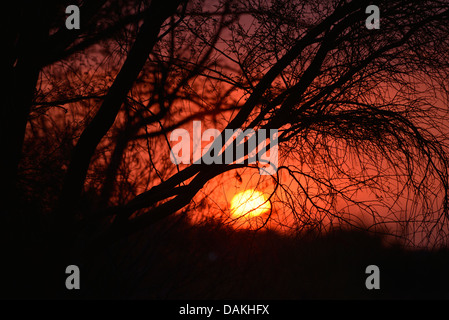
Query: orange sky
[(217, 194)]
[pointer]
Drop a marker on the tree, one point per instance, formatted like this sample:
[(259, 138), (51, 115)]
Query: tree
[(321, 93), (360, 112)]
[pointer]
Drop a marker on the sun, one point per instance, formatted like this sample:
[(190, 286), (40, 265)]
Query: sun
[(249, 203)]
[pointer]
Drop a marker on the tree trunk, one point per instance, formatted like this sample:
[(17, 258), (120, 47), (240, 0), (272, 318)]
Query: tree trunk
[(29, 25), (158, 12)]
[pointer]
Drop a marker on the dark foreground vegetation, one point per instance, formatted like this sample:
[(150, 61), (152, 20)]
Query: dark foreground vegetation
[(175, 260)]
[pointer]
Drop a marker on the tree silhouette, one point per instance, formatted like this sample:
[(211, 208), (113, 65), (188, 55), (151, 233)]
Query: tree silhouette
[(360, 113)]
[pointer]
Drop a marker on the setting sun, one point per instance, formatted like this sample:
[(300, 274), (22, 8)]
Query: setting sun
[(249, 203)]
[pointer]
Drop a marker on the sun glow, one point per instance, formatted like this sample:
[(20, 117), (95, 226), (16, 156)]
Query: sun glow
[(249, 203)]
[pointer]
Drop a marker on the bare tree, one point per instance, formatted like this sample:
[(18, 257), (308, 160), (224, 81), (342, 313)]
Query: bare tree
[(353, 112), (360, 113)]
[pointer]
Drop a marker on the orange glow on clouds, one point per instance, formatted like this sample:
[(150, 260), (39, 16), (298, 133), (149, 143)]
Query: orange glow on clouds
[(249, 203)]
